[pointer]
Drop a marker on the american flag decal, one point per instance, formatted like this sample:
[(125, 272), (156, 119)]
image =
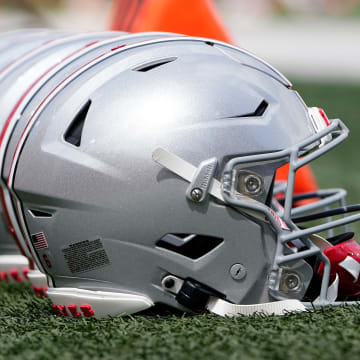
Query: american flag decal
[(39, 241)]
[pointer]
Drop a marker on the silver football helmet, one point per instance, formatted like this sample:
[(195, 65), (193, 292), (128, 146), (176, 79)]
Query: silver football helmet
[(18, 43), (147, 176), (27, 81), (28, 56), (14, 46)]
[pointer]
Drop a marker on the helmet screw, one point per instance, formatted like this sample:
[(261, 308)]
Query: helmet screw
[(292, 281), (252, 184), (238, 271), (196, 194), (169, 283)]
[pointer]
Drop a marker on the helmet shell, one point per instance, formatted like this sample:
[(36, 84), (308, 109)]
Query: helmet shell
[(69, 54), (28, 54), (183, 94)]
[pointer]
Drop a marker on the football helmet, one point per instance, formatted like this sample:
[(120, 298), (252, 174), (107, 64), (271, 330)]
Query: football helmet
[(13, 46), (27, 55), (147, 177), (27, 86)]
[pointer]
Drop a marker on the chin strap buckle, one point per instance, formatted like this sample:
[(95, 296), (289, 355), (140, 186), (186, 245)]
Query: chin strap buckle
[(195, 296)]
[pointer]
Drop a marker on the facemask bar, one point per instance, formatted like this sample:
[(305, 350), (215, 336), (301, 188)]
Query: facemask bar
[(339, 133), (324, 198)]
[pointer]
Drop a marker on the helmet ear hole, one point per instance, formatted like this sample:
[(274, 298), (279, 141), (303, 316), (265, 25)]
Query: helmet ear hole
[(74, 132)]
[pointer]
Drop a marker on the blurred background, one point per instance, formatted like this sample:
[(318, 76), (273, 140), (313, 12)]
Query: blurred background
[(315, 43), (311, 39)]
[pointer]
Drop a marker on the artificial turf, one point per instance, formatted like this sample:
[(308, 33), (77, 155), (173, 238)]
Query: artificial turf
[(30, 330)]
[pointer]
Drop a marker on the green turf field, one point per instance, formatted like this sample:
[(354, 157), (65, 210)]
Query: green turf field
[(29, 329)]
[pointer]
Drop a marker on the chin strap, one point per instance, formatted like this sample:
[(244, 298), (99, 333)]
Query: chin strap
[(225, 308), (184, 169), (332, 292), (351, 266), (345, 267), (197, 297)]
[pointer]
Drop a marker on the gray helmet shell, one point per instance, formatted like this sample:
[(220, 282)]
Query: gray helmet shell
[(70, 53), (42, 50), (15, 45), (194, 97)]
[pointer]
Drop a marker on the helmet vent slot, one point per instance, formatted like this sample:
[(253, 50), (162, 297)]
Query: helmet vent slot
[(192, 246), (40, 213), (154, 64), (258, 112), (261, 108), (74, 132)]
